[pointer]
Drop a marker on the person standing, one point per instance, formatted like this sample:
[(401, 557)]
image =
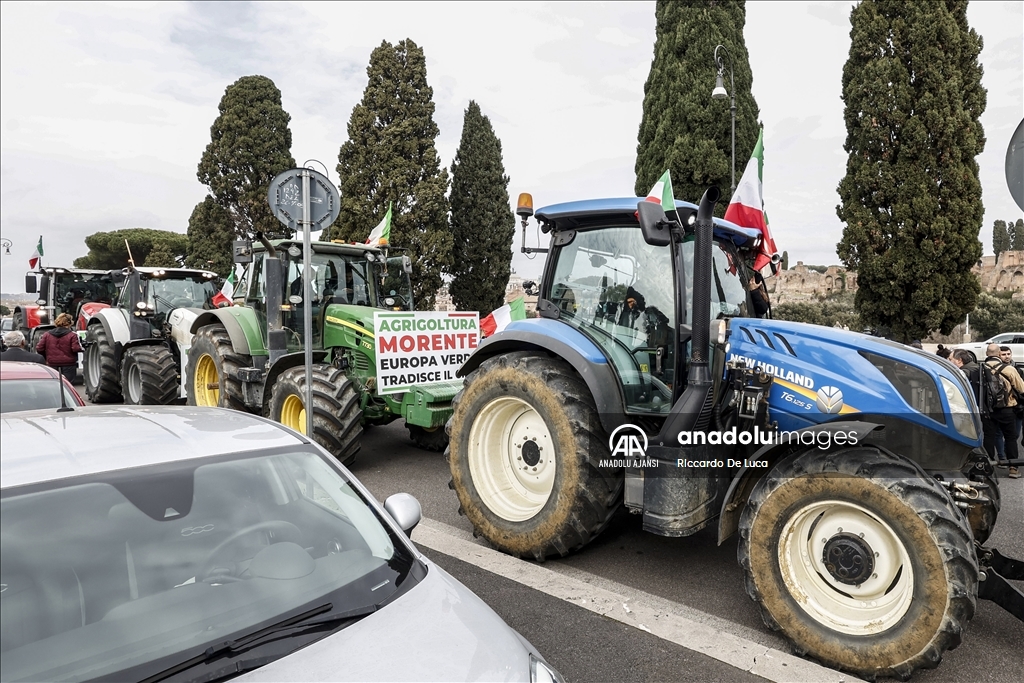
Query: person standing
[(1003, 417), (60, 347), (16, 351), (1006, 355)]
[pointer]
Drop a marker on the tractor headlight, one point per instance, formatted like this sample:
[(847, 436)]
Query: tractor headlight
[(959, 408), (542, 673)]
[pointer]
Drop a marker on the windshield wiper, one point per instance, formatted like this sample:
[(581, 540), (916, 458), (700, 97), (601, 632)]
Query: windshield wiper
[(298, 623)]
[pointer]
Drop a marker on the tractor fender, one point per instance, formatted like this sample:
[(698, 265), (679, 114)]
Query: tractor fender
[(285, 362), (115, 324), (746, 478), (231, 318), (560, 340)]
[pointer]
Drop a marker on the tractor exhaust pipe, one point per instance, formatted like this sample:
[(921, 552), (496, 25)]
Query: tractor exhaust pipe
[(692, 412), (700, 372)]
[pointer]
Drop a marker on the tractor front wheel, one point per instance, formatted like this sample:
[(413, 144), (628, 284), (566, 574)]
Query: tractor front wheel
[(432, 439), (102, 379), (860, 559), (149, 376), (336, 413), (526, 444), (213, 364)]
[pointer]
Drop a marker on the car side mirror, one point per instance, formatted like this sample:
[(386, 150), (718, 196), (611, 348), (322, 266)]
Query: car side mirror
[(405, 510), (31, 286), (654, 224)]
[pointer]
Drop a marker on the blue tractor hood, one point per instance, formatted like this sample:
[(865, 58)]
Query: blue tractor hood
[(622, 211), (823, 374)]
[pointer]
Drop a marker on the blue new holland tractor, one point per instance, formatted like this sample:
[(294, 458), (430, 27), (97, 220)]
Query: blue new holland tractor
[(850, 466)]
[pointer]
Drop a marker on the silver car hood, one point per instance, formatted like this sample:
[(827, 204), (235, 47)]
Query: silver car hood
[(438, 631)]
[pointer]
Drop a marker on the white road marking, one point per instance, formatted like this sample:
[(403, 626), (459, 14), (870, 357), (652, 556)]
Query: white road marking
[(659, 617)]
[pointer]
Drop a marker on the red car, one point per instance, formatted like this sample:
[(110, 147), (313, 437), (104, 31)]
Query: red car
[(33, 386)]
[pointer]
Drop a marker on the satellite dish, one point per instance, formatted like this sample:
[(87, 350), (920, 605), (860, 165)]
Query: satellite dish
[(1015, 165), (285, 198)]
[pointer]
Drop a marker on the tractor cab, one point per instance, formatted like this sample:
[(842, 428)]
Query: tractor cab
[(347, 280), (65, 290), (150, 294), (633, 299)]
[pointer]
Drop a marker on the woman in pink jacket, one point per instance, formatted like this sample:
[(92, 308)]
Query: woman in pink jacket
[(60, 347)]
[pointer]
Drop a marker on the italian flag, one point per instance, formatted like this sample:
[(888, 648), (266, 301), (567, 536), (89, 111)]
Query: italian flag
[(747, 206), (224, 296), (382, 233), (662, 192), (36, 259), (499, 318)]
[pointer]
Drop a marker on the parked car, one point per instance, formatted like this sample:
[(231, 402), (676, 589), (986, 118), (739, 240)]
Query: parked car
[(34, 386), (1015, 340), (167, 542)]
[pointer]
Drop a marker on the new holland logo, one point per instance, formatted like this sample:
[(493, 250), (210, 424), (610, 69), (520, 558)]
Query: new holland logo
[(628, 441), (830, 400)]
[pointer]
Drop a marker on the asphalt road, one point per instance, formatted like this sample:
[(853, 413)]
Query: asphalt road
[(693, 573)]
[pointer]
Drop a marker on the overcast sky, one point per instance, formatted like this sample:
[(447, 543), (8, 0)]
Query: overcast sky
[(105, 109)]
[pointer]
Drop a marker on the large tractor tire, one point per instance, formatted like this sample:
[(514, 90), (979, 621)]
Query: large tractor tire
[(435, 439), (149, 376), (211, 379), (102, 379), (525, 448), (336, 413), (861, 560)]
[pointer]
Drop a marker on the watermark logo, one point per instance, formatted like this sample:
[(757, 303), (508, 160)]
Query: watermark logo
[(829, 400), (628, 441)]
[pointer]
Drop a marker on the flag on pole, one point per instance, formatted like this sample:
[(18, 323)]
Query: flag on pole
[(380, 235), (662, 192), (499, 318), (226, 293), (36, 259), (746, 208)]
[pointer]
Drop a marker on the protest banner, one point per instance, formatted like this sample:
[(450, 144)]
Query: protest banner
[(422, 347)]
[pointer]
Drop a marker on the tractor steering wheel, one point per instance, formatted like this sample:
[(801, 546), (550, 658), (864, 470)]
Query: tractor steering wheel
[(287, 530)]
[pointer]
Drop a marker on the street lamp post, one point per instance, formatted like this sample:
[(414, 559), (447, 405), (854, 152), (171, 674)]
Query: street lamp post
[(6, 245), (719, 93)]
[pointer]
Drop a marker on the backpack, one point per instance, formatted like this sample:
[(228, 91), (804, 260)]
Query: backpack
[(995, 389)]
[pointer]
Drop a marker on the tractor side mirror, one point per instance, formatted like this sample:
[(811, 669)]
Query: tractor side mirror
[(242, 251), (654, 224), (31, 286), (407, 264)]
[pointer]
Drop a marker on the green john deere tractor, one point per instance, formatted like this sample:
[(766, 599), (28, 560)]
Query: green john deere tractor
[(251, 356)]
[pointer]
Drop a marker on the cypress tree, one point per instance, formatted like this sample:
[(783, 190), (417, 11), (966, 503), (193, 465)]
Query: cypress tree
[(683, 128), (911, 197), (390, 158), (250, 143), (785, 260), (1016, 235), (482, 223), (1001, 237), (210, 236), (161, 256)]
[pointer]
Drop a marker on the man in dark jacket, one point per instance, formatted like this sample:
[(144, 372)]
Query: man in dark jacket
[(1004, 419), (60, 347), (16, 351)]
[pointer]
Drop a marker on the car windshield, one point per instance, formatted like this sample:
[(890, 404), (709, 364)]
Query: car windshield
[(124, 574), (32, 394)]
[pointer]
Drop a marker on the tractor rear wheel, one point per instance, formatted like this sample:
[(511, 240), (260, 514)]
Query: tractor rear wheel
[(525, 448), (860, 559), (211, 379), (336, 413), (102, 379), (432, 439), (149, 376)]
